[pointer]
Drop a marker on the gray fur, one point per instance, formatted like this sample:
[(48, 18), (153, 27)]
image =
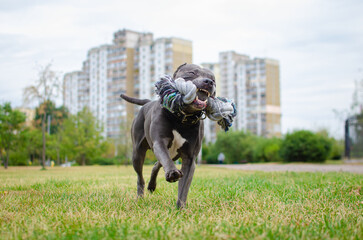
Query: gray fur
[(153, 129)]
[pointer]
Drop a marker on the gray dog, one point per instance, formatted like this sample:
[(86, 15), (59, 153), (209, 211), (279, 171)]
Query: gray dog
[(172, 134)]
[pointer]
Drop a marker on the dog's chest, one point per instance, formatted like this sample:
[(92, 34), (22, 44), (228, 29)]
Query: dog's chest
[(177, 143)]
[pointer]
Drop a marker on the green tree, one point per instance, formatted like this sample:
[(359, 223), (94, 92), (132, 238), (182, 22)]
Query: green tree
[(55, 116), (11, 122), (82, 136), (46, 87), (31, 141)]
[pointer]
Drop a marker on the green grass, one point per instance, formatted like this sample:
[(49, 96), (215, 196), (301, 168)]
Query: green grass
[(100, 203)]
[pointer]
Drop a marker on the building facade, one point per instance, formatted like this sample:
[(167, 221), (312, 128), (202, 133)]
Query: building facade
[(254, 85), (211, 128)]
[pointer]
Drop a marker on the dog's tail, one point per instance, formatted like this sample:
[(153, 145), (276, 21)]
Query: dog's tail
[(135, 100)]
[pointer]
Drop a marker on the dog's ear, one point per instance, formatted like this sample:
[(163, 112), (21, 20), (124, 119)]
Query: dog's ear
[(177, 70)]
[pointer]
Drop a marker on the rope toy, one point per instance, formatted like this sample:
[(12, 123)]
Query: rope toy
[(175, 94), (222, 110)]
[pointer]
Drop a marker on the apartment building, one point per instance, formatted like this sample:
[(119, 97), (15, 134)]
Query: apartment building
[(70, 91), (211, 128), (254, 85), (130, 65), (163, 56), (88, 88)]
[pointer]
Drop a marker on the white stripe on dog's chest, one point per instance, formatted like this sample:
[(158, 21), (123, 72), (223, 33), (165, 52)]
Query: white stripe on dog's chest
[(177, 143)]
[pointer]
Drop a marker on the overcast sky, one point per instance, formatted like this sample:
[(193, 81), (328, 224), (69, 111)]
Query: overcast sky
[(319, 44)]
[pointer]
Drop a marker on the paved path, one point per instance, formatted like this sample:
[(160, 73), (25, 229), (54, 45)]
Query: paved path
[(296, 167)]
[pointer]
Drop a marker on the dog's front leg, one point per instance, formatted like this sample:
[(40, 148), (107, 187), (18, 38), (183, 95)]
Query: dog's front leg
[(172, 174), (188, 167)]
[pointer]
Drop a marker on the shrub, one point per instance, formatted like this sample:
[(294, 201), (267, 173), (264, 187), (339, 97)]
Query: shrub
[(305, 146), (19, 158), (103, 161), (336, 150), (237, 146), (267, 150), (210, 153)]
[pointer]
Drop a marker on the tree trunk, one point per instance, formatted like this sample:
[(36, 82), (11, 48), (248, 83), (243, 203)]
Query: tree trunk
[(83, 160), (43, 135), (58, 158), (1, 157), (6, 162)]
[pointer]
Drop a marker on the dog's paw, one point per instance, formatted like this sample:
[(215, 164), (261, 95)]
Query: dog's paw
[(173, 175), (151, 187)]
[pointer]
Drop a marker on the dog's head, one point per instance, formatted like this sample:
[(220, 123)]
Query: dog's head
[(203, 79)]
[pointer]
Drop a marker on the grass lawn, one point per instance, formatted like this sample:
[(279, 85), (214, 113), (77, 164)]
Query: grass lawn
[(100, 203)]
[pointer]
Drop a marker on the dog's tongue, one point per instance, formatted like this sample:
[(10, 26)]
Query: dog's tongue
[(200, 104)]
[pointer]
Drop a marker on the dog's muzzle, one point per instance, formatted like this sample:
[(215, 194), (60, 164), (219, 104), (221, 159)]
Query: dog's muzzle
[(201, 99)]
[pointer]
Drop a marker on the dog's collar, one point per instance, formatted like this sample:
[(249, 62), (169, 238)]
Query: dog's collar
[(189, 119)]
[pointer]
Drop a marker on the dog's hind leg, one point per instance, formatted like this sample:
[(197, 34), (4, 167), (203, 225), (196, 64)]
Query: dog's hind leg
[(138, 158), (154, 174), (188, 167)]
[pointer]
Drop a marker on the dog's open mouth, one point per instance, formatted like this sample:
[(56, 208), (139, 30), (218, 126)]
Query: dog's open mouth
[(201, 99)]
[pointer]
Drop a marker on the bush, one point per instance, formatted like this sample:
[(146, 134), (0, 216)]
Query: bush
[(237, 146), (103, 161), (337, 149), (267, 150), (210, 153), (19, 158), (305, 146)]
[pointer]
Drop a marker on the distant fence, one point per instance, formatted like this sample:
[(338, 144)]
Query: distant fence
[(354, 138)]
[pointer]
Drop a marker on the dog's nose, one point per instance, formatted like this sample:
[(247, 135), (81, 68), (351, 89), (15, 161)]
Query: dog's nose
[(208, 81)]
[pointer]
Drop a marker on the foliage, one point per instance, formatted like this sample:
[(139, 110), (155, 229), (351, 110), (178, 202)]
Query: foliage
[(236, 145), (46, 87), (82, 136), (267, 150), (150, 157), (11, 122), (210, 153), (56, 115), (305, 146), (104, 161), (99, 203), (337, 149)]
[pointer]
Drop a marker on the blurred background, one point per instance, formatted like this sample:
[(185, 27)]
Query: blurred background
[(292, 67)]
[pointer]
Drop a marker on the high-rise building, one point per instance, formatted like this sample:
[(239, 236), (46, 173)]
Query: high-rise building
[(211, 128), (163, 56), (122, 78), (130, 65), (254, 85), (88, 88), (70, 91)]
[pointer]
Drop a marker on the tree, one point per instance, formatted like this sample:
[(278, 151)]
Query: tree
[(82, 136), (46, 87), (11, 122), (31, 141), (55, 116)]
